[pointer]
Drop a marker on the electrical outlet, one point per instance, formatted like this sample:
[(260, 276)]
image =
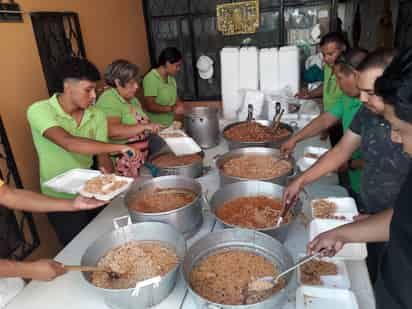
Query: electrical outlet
[(10, 17)]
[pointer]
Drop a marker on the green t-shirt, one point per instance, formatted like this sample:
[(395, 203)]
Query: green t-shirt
[(113, 105), (164, 92), (345, 109), (53, 159), (331, 90)]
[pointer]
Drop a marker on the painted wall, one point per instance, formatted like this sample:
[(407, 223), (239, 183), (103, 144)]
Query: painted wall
[(110, 28)]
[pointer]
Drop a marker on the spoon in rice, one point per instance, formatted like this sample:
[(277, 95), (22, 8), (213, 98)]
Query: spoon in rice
[(112, 274), (266, 283)]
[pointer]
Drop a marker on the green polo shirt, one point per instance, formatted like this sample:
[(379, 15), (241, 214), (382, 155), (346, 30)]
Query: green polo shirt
[(345, 109), (112, 104), (331, 90), (53, 159), (165, 93)]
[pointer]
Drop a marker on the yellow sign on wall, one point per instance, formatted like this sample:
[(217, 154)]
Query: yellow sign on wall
[(238, 18)]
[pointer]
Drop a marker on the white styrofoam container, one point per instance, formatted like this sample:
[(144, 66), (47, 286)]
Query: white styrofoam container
[(229, 59), (248, 68), (304, 163), (182, 145), (110, 196), (71, 181), (355, 251), (339, 281), (289, 68), (320, 151), (345, 206), (269, 69), (308, 297)]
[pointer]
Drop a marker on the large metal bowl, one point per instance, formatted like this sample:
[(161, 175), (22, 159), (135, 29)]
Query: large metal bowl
[(260, 151), (254, 188), (192, 170), (150, 295), (187, 219), (243, 239), (233, 144)]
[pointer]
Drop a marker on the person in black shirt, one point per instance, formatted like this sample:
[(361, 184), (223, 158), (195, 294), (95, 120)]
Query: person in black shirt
[(392, 290)]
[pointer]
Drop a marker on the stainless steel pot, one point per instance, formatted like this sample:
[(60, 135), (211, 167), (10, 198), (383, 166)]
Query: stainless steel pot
[(254, 188), (193, 170), (259, 151), (149, 295), (251, 240), (187, 219), (272, 144), (202, 123)]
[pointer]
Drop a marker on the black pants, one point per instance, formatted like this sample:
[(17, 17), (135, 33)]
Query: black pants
[(383, 299), (68, 224), (335, 134), (375, 251)]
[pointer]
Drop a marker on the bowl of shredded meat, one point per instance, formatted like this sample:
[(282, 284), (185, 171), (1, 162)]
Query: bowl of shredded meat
[(253, 205), (219, 267), (145, 258)]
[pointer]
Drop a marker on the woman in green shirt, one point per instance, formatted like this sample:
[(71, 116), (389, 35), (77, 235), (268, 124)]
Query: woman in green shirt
[(127, 122), (160, 91)]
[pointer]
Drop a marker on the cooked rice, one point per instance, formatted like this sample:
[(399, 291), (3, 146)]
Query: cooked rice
[(311, 272), (254, 132)]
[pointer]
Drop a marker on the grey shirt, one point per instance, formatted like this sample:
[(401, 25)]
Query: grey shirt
[(386, 166)]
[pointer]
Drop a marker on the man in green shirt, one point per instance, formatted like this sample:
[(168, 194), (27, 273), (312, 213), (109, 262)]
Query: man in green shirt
[(161, 102), (344, 110), (67, 132)]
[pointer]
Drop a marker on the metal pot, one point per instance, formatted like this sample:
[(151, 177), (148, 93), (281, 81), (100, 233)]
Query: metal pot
[(254, 188), (149, 295), (187, 219), (251, 240), (260, 151), (202, 123), (193, 170), (272, 144)]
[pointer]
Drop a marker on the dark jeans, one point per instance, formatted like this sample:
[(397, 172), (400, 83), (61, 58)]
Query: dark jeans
[(335, 134), (383, 299), (68, 224), (375, 251)]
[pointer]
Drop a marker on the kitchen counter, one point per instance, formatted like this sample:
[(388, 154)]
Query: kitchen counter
[(72, 291)]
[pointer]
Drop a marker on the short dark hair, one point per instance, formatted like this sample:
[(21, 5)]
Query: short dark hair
[(169, 54), (122, 70), (76, 68), (394, 86), (334, 37), (379, 59), (350, 60)]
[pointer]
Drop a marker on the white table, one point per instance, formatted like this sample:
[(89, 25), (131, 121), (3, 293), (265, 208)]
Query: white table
[(71, 290)]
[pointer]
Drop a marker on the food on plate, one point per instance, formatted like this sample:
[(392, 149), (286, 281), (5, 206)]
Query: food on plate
[(256, 167), (251, 131), (223, 277), (312, 155), (104, 184), (254, 212), (324, 209), (134, 261), (171, 160), (311, 272), (161, 200)]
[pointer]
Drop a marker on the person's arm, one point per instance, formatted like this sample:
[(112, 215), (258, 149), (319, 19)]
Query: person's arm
[(44, 270), (315, 93), (82, 145), (149, 103), (105, 163), (26, 200), (315, 127), (372, 229), (120, 131), (328, 163)]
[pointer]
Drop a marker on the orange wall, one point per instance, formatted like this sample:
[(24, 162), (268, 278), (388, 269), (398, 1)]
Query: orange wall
[(110, 28)]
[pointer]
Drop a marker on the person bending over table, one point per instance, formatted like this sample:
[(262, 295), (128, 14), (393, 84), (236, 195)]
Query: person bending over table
[(392, 288), (127, 122), (386, 165), (24, 200), (161, 102), (67, 131), (343, 111)]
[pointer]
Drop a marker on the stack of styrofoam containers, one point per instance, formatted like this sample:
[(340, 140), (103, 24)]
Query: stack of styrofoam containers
[(269, 69), (289, 68), (229, 59), (249, 82)]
